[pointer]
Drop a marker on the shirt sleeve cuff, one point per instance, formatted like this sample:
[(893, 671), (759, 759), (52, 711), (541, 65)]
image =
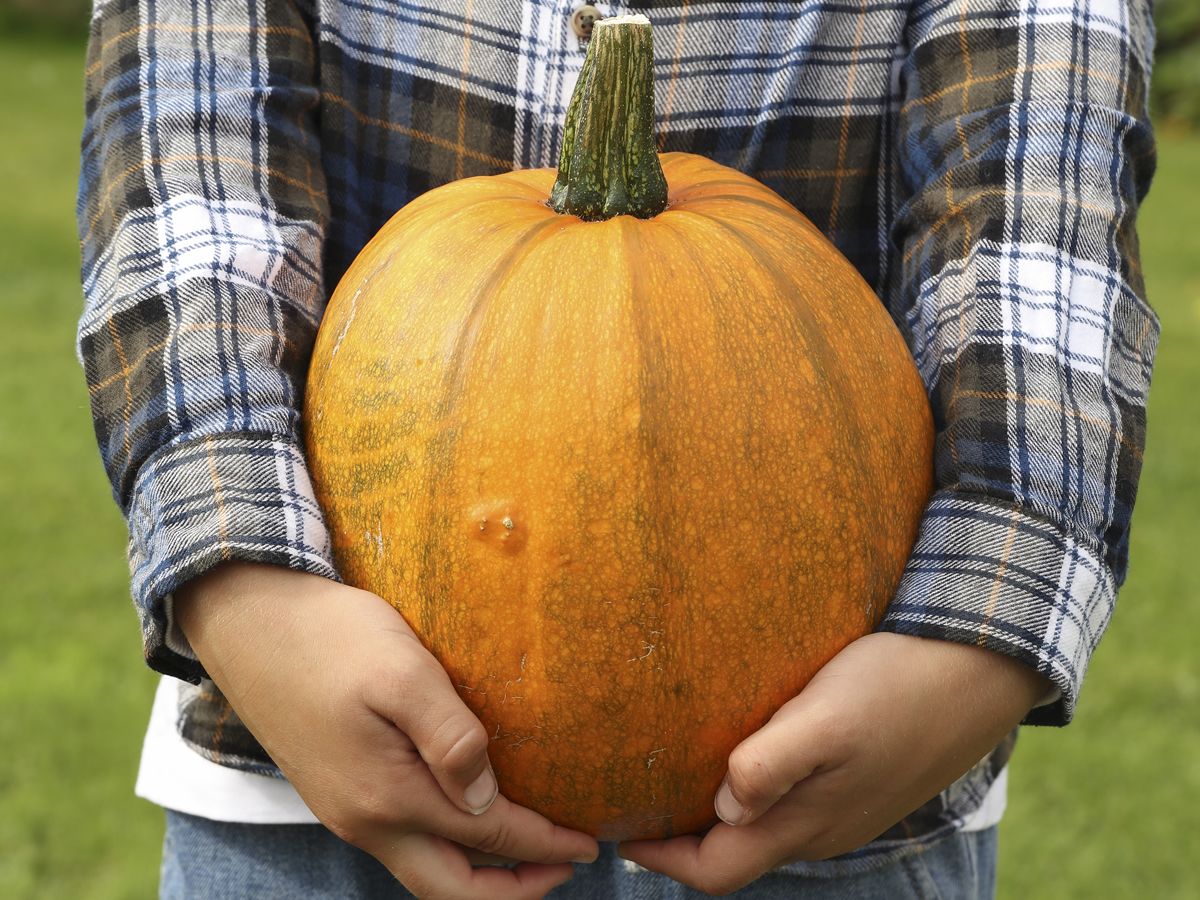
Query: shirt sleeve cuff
[(990, 574), (210, 500)]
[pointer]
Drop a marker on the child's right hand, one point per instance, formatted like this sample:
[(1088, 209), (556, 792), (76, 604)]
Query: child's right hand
[(366, 725)]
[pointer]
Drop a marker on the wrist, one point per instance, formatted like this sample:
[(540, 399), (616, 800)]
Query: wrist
[(197, 601), (218, 610), (1010, 683)]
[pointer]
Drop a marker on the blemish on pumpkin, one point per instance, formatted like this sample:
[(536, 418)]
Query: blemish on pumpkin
[(515, 739), (337, 344), (497, 524), (633, 415), (648, 648), (650, 819), (600, 527), (515, 699)]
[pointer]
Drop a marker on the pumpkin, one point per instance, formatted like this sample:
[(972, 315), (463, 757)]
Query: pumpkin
[(634, 463)]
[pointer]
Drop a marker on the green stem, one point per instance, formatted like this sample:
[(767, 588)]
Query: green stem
[(609, 165)]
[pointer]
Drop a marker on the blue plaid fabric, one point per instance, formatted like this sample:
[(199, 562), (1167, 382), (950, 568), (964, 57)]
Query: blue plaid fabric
[(981, 162)]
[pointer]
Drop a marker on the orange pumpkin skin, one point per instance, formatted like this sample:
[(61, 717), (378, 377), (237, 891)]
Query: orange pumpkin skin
[(631, 481)]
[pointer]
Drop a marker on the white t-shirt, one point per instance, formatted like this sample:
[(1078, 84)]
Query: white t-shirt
[(176, 777)]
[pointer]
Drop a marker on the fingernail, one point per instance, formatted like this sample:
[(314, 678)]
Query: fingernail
[(729, 810), (481, 793), (586, 858)]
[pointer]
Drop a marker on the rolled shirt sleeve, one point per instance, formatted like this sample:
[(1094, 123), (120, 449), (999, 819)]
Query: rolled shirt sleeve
[(201, 216), (1025, 149)]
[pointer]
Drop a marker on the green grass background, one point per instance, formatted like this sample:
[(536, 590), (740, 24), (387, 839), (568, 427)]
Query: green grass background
[(1109, 807)]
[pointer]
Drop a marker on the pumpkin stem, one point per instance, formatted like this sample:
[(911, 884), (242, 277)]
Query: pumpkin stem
[(609, 165)]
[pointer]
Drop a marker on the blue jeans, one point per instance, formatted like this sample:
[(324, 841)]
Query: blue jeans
[(206, 860)]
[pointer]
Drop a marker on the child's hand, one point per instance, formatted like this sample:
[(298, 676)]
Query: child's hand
[(368, 728), (884, 726)]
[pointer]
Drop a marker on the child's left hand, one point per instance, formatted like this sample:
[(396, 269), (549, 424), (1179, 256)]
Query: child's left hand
[(883, 727)]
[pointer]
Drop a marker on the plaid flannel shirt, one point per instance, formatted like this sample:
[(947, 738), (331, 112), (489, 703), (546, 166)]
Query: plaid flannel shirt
[(979, 161)]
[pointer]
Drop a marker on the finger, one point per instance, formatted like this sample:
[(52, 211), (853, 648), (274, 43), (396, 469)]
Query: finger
[(433, 868), (724, 860), (506, 829), (479, 858), (418, 698), (769, 763), (514, 831)]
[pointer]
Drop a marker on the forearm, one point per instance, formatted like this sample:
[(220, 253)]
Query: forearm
[(1016, 280), (201, 217)]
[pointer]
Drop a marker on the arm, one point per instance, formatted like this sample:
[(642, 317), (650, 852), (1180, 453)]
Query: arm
[(1025, 150), (1019, 286), (202, 215)]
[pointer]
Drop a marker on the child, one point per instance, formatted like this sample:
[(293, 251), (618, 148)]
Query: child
[(979, 162)]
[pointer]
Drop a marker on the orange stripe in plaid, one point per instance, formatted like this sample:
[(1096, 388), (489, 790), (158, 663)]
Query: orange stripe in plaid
[(1010, 397), (989, 193), (219, 731), (1009, 73), (192, 29), (317, 199), (965, 49), (209, 696), (990, 611), (676, 53), (219, 500), (1130, 253), (803, 174), (155, 349), (460, 145), (308, 150), (844, 137), (502, 164), (219, 726), (124, 373)]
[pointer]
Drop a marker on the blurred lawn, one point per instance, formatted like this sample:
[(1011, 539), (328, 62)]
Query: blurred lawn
[(1109, 807), (74, 693)]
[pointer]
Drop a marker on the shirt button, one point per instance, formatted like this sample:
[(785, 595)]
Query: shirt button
[(583, 19)]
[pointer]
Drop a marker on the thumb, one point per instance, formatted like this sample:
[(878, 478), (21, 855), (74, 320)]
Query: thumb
[(768, 764), (419, 699)]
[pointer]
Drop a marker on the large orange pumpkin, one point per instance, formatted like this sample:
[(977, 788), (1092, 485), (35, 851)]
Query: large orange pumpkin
[(632, 480)]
